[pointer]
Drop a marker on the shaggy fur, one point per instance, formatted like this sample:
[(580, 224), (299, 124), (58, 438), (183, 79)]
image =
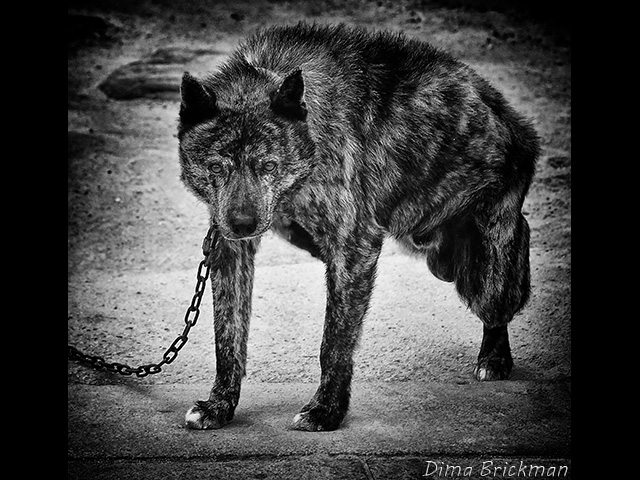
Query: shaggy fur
[(338, 138)]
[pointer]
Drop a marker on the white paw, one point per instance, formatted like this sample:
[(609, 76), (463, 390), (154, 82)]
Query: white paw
[(193, 418)]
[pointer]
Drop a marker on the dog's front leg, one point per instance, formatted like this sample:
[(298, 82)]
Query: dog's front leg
[(232, 270), (350, 275)]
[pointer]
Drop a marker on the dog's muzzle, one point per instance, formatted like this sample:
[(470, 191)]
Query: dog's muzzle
[(243, 225)]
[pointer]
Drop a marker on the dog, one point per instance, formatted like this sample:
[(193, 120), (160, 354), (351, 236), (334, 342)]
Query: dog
[(338, 138)]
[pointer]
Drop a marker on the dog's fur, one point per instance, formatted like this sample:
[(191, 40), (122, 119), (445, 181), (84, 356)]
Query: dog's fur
[(337, 138)]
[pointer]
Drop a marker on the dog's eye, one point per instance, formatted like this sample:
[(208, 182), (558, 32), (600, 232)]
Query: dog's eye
[(216, 168), (269, 166)]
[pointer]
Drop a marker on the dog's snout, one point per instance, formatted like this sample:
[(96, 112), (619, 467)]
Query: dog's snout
[(243, 225)]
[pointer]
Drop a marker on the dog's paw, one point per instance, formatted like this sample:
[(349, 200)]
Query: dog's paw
[(209, 414), (317, 419), (493, 368)]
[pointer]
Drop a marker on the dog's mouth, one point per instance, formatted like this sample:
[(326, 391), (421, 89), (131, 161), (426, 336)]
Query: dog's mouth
[(235, 238), (239, 232)]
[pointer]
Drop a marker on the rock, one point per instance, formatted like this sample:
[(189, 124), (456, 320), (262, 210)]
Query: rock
[(158, 75), (181, 55), (143, 80)]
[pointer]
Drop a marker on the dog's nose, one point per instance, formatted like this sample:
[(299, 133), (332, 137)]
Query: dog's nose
[(243, 225)]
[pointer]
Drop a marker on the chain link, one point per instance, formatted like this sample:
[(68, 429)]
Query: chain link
[(190, 319)]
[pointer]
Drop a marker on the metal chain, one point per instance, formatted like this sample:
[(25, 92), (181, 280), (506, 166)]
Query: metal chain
[(190, 319)]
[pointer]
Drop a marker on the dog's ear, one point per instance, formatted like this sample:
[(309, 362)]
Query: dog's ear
[(198, 104), (288, 100)]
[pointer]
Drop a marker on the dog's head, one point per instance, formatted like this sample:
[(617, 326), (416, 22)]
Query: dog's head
[(244, 145)]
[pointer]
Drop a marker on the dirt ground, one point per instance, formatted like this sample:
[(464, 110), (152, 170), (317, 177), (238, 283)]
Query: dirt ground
[(128, 213)]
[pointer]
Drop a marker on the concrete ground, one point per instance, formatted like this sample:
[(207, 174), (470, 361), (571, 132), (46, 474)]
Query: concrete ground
[(414, 399), (134, 245)]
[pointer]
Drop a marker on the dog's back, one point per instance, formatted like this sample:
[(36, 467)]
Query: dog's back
[(403, 116)]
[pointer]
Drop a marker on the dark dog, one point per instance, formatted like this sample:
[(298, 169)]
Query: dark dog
[(337, 138)]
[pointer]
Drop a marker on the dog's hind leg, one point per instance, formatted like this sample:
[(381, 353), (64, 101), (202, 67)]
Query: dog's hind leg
[(492, 276), (232, 271)]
